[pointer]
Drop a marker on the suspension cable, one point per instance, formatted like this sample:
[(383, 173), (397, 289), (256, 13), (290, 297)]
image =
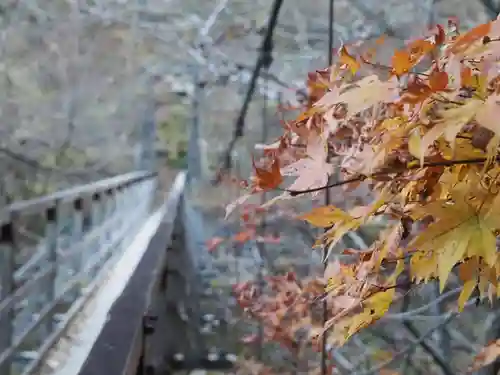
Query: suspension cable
[(324, 354), (262, 228), (265, 52)]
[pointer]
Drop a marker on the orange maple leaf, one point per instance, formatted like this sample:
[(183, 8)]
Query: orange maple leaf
[(464, 41), (267, 179), (401, 62)]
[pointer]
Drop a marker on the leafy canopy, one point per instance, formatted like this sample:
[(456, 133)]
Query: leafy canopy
[(423, 134)]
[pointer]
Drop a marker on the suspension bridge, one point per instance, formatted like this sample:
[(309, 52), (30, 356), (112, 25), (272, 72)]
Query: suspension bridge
[(105, 279)]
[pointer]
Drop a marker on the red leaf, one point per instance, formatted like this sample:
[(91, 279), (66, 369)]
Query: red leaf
[(438, 81)]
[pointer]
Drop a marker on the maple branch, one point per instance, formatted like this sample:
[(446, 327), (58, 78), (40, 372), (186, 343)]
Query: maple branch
[(397, 171), (464, 341), (447, 318), (395, 356), (409, 315), (430, 349)]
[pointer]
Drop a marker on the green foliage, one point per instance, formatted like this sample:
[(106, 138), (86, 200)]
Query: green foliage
[(173, 132)]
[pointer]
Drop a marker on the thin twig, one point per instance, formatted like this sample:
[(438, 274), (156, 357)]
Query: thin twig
[(394, 171), (396, 356)]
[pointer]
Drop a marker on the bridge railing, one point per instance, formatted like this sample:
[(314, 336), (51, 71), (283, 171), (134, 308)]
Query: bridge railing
[(142, 328), (54, 251), (155, 326)]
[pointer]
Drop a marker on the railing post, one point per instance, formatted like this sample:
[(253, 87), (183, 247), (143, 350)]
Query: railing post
[(151, 192), (7, 286), (96, 219), (52, 232), (109, 204), (119, 211), (130, 209), (76, 237)]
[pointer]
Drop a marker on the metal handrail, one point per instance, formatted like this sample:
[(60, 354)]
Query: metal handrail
[(117, 207), (39, 204), (120, 345)]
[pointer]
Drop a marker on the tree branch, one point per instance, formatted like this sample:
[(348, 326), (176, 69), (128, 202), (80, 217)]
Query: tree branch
[(396, 171), (427, 334), (430, 349)]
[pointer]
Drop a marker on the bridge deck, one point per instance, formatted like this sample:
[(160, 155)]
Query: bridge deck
[(70, 354), (108, 288)]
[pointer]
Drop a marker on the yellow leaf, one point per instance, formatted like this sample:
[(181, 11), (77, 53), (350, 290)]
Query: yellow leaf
[(452, 253), (460, 229), (326, 216), (375, 307), (347, 59), (483, 243), (359, 321), (334, 235), (380, 302), (462, 149), (465, 294), (423, 266), (415, 145)]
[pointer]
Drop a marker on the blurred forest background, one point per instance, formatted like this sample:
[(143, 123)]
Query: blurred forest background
[(89, 87), (80, 79)]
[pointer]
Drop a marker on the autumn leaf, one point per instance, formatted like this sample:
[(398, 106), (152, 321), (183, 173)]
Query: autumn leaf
[(313, 170), (375, 307), (325, 216), (415, 145), (401, 62), (464, 41), (438, 80), (267, 178), (468, 289), (462, 230), (418, 153), (366, 93), (486, 356), (347, 59), (450, 124)]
